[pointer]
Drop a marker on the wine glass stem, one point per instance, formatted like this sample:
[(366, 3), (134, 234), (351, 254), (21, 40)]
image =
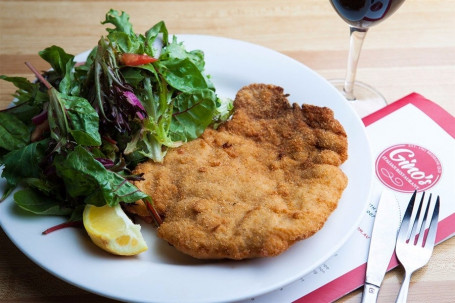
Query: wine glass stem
[(357, 35)]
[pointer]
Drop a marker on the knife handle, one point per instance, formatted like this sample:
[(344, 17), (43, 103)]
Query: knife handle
[(370, 293)]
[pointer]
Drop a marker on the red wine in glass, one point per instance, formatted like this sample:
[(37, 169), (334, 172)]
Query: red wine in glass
[(365, 13), (361, 15)]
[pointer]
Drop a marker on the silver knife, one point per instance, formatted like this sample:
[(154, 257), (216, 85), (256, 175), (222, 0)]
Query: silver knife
[(386, 225)]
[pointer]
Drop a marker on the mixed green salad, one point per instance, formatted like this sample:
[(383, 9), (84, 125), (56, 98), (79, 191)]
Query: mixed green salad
[(73, 137)]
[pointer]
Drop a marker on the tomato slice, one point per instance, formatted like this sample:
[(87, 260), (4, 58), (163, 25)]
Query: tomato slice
[(136, 59)]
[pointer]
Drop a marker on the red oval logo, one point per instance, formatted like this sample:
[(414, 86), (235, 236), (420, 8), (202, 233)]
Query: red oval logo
[(408, 167)]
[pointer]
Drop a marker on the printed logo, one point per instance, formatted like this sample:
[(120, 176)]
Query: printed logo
[(408, 167)]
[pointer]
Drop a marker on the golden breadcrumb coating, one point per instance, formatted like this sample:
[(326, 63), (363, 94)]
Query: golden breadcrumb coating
[(265, 179)]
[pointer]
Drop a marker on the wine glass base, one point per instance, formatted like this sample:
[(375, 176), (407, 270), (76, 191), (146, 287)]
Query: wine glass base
[(367, 99)]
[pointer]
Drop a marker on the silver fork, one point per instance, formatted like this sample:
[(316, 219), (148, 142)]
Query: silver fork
[(414, 246)]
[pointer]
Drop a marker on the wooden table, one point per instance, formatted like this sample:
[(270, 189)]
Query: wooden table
[(413, 51)]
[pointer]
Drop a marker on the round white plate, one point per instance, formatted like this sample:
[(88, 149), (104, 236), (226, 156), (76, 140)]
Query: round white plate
[(162, 274)]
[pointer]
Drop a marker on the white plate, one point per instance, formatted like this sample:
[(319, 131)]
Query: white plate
[(164, 275)]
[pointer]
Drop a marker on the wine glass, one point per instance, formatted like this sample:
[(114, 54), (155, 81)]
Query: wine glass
[(361, 15)]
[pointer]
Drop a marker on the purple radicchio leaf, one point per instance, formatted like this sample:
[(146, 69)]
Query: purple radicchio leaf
[(107, 163), (133, 100), (40, 118)]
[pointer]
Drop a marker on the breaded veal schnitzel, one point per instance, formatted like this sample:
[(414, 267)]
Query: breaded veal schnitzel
[(265, 179)]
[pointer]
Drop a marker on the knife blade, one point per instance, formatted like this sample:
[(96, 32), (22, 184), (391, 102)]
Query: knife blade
[(383, 238)]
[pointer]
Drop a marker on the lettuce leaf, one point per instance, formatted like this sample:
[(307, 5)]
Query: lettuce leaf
[(57, 58), (24, 162), (87, 177), (62, 74), (75, 116), (193, 114), (14, 134), (37, 203)]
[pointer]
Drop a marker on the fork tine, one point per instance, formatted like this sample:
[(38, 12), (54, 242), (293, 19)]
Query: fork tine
[(416, 221), (424, 221), (432, 230), (405, 230)]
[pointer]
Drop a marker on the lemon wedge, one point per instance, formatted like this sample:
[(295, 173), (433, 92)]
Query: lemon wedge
[(112, 230)]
